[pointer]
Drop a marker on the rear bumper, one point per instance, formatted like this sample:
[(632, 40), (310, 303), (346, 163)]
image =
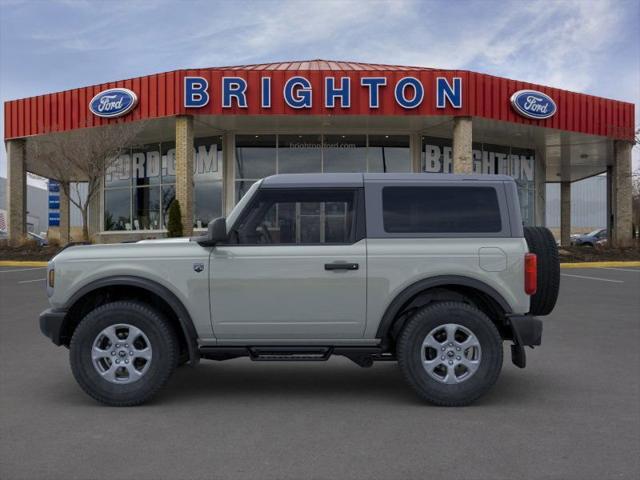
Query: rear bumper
[(51, 322), (526, 330)]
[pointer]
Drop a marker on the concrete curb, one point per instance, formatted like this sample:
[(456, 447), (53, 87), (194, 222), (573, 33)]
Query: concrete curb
[(21, 263), (600, 264)]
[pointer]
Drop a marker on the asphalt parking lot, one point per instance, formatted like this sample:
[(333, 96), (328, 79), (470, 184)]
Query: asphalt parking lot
[(574, 412)]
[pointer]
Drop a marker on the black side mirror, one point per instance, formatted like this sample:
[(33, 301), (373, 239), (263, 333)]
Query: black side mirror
[(216, 233), (217, 230)]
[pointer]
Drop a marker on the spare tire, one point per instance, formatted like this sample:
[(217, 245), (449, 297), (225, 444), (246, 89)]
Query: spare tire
[(541, 242)]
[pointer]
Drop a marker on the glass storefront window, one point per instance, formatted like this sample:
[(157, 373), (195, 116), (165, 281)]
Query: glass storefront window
[(118, 174), (255, 156), (344, 153), (389, 153), (168, 195), (145, 165), (299, 153), (208, 202), (117, 209), (146, 208)]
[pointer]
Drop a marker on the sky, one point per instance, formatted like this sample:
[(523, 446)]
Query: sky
[(589, 46)]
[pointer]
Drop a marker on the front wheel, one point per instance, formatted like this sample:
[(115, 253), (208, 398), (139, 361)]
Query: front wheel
[(450, 353), (123, 352)]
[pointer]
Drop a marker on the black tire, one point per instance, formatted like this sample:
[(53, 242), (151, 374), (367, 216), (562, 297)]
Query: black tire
[(541, 242), (164, 353), (410, 344)]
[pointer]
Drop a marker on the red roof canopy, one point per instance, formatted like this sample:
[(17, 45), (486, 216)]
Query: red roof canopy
[(161, 95)]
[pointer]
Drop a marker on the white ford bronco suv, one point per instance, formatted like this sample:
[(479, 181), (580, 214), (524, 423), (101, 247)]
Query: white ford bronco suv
[(434, 271)]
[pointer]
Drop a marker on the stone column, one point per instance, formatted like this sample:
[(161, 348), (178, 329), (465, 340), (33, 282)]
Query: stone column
[(540, 182), (462, 148), (16, 191), (621, 186), (415, 147), (65, 207), (184, 171), (228, 172), (565, 213)]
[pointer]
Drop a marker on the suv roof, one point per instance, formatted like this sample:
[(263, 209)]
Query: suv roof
[(358, 179)]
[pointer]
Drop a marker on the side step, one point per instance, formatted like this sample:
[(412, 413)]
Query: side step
[(363, 356), (290, 354)]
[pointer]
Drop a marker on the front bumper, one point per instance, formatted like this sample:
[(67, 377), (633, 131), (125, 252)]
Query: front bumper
[(51, 323)]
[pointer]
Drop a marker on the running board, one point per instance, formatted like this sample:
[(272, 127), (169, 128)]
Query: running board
[(363, 356), (290, 354)]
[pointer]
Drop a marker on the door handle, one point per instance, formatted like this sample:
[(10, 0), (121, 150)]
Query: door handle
[(341, 266)]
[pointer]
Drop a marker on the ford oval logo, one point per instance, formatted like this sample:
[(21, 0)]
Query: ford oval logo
[(533, 104), (114, 102)]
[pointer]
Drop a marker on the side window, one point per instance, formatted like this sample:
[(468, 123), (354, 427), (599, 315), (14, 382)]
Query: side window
[(292, 216), (435, 209)]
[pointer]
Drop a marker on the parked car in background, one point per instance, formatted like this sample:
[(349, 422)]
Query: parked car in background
[(590, 239), (39, 239)]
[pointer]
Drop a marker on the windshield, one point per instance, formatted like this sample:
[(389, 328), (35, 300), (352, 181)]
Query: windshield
[(233, 216), (594, 233)]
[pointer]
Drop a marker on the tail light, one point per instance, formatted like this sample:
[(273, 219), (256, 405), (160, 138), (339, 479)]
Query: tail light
[(530, 273)]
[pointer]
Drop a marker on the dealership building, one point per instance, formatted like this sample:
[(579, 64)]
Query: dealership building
[(204, 136)]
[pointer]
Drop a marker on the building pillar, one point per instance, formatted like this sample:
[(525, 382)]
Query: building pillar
[(228, 172), (565, 214), (184, 171), (415, 147), (540, 185), (16, 191), (462, 145), (65, 209), (621, 193)]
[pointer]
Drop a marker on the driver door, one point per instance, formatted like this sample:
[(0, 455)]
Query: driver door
[(295, 267)]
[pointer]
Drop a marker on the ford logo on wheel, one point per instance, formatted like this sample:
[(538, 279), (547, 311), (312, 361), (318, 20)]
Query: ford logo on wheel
[(114, 102), (533, 104)]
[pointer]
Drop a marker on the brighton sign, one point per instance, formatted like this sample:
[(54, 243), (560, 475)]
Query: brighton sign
[(113, 103), (533, 104), (297, 92)]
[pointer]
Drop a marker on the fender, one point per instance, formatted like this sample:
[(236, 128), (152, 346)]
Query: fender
[(405, 295), (186, 323)]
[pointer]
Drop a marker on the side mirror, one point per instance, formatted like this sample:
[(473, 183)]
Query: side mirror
[(217, 230), (216, 233)]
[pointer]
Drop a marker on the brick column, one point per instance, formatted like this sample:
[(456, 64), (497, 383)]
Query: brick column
[(540, 182), (16, 191), (462, 149), (65, 207), (565, 213), (184, 171), (621, 188)]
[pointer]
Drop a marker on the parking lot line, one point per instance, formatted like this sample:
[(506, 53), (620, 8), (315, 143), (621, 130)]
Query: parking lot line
[(30, 281), (592, 278), (637, 270), (22, 269)]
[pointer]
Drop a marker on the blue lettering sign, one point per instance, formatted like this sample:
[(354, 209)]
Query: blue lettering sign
[(54, 219), (373, 84), (54, 186), (297, 92), (444, 92), (401, 94), (195, 92), (266, 92), (234, 87), (331, 92)]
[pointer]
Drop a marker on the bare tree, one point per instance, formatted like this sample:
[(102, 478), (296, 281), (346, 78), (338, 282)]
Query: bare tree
[(82, 156)]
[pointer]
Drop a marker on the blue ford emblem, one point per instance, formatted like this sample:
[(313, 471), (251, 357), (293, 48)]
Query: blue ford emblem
[(114, 102), (533, 104)]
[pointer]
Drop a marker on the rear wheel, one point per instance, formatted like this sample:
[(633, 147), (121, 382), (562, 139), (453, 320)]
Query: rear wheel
[(123, 352), (540, 241), (450, 353)]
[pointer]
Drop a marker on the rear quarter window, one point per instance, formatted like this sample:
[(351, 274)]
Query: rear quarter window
[(437, 209)]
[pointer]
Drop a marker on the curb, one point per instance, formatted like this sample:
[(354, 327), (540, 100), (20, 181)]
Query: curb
[(21, 263), (600, 264)]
